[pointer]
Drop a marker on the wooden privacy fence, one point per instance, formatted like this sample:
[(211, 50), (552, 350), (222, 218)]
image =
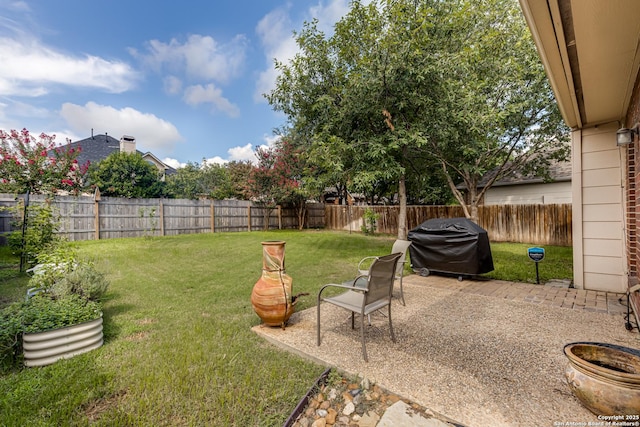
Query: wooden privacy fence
[(90, 218), (536, 224)]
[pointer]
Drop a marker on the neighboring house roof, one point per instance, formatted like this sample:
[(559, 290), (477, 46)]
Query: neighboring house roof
[(97, 147), (558, 172)]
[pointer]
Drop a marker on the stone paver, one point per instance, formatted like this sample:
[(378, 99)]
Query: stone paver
[(552, 295)]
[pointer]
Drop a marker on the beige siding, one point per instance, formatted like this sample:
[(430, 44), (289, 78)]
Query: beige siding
[(523, 194), (604, 212), (601, 247), (599, 262), (602, 177)]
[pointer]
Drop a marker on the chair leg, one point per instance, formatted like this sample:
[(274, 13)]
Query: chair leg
[(353, 320), (364, 348), (318, 340), (393, 337), (402, 292)]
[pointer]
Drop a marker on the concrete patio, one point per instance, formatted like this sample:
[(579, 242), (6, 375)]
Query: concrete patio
[(482, 353)]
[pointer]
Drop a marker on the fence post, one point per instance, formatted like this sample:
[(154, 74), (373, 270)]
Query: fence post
[(249, 218), (213, 217), (96, 213)]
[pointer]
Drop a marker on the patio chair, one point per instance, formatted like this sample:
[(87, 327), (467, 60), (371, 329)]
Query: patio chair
[(364, 300), (400, 246)]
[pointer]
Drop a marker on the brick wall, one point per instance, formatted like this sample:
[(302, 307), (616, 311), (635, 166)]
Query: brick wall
[(633, 196)]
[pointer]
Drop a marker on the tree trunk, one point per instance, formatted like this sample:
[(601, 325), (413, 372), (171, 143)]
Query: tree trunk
[(402, 214), (301, 210), (474, 212)]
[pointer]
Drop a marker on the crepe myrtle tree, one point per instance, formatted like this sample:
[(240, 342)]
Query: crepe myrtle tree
[(38, 165), (278, 179), (30, 165)]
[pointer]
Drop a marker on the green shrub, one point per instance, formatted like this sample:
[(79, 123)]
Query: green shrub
[(369, 217), (39, 235), (53, 265), (43, 312), (10, 332), (84, 280)]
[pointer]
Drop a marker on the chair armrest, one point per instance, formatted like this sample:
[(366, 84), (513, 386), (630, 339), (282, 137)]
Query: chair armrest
[(364, 261), (358, 277), (348, 287)]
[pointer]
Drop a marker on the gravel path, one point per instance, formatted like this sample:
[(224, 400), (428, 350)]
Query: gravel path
[(481, 361)]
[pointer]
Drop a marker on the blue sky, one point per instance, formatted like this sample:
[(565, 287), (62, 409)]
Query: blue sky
[(184, 78)]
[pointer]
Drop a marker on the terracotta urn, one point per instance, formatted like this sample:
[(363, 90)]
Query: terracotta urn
[(271, 296), (604, 377)]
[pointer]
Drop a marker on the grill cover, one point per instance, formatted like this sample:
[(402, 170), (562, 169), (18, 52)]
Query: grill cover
[(452, 245)]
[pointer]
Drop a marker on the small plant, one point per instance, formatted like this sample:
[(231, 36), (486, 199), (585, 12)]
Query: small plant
[(152, 219), (10, 330), (52, 266), (369, 217), (38, 235), (44, 312), (84, 281)]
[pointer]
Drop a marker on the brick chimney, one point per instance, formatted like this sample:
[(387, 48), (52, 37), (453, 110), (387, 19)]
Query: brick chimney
[(127, 144)]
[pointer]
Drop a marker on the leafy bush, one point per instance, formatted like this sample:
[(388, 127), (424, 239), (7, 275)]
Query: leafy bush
[(10, 330), (44, 312), (39, 235), (369, 217), (53, 265), (84, 280)]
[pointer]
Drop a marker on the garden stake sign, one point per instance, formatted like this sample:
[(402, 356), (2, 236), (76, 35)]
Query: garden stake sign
[(536, 255)]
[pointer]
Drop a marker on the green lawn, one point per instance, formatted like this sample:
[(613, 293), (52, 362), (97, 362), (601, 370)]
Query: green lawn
[(178, 345)]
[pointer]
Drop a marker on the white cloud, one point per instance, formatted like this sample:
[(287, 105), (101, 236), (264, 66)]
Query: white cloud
[(270, 140), (176, 164), (152, 133), (328, 15), (200, 60), (172, 85), (275, 31), (200, 57), (209, 94), (34, 67), (215, 160), (242, 153), (247, 152)]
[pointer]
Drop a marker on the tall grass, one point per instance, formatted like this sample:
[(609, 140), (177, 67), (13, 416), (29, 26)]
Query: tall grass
[(179, 349)]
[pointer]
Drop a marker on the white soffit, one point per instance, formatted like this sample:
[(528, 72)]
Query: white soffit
[(606, 36), (593, 84)]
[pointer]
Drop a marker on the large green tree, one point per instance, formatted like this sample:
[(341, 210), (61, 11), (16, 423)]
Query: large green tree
[(126, 175), (403, 85), (201, 180), (502, 115), (366, 94)]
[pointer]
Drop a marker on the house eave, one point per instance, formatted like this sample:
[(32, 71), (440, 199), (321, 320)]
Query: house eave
[(589, 49)]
